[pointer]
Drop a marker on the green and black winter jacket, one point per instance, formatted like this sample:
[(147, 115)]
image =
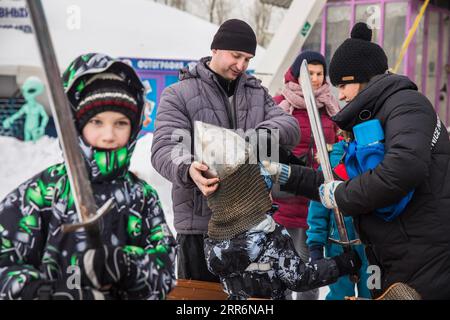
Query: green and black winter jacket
[(34, 251)]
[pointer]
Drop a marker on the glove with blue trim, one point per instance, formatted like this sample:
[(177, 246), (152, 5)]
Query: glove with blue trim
[(327, 192), (279, 172)]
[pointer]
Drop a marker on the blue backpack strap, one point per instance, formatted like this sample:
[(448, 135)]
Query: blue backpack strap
[(391, 212)]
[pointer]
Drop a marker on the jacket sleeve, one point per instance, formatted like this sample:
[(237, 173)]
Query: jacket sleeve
[(23, 234), (276, 118), (408, 134), (227, 258), (319, 224), (22, 239), (295, 273), (155, 258), (304, 181), (171, 147)]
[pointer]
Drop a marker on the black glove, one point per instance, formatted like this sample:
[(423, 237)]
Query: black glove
[(315, 253), (348, 263), (287, 157), (105, 266), (264, 150)]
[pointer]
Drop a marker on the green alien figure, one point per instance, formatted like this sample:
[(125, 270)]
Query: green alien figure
[(36, 117)]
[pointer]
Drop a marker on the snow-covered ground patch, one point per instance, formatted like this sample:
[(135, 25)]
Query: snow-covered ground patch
[(21, 160)]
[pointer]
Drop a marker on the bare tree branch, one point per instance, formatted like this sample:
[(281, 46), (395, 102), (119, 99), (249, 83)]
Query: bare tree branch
[(261, 18), (212, 6), (179, 4), (223, 9)]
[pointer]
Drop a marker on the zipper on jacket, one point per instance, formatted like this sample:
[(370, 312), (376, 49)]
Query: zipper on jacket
[(232, 122)]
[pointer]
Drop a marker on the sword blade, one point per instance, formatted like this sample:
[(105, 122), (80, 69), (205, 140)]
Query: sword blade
[(61, 111), (319, 139)]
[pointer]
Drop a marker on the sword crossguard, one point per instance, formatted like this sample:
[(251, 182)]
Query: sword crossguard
[(346, 243), (104, 209)]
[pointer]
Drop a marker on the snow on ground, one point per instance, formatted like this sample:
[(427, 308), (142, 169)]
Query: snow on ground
[(22, 160)]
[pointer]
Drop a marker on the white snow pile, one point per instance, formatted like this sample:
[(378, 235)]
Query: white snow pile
[(22, 160)]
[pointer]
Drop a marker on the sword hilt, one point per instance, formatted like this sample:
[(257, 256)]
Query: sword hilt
[(346, 243)]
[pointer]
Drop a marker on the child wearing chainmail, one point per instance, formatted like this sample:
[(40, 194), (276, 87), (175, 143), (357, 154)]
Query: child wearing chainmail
[(252, 254)]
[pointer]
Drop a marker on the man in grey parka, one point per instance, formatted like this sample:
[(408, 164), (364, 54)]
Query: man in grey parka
[(216, 91)]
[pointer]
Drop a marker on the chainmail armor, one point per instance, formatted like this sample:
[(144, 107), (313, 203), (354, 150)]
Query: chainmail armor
[(241, 202)]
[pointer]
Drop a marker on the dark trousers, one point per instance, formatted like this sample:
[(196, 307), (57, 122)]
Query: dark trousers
[(191, 259)]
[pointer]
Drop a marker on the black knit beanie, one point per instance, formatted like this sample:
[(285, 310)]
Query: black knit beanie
[(310, 56), (106, 95), (235, 35), (358, 59)]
